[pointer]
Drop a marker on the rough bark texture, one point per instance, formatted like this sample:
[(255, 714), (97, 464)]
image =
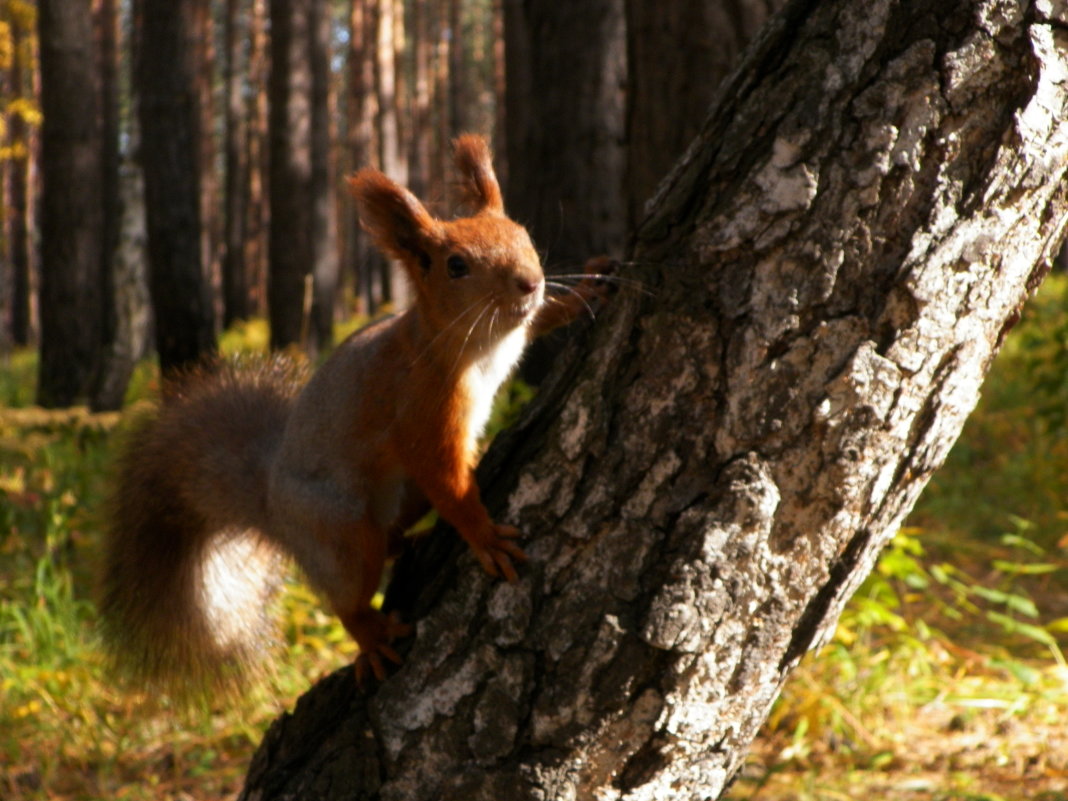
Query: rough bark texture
[(706, 477)]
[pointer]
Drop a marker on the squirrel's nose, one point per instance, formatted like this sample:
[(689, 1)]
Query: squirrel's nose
[(527, 285)]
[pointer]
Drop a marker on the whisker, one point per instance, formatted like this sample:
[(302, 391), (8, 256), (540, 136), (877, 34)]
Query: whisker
[(629, 283), (489, 304), (443, 331), (578, 295)]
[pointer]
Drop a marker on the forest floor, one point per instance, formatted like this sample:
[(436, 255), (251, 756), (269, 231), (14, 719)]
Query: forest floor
[(945, 679)]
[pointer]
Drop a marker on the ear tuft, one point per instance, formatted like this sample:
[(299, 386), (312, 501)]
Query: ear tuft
[(478, 182), (398, 223)]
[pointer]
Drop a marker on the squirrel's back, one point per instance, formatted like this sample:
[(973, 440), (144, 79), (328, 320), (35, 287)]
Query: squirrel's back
[(187, 572)]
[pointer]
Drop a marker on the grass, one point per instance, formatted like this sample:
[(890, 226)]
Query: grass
[(945, 678)]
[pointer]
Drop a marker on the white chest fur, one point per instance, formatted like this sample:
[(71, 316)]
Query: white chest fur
[(485, 376)]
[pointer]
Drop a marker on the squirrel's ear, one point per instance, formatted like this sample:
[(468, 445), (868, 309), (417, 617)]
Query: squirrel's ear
[(478, 182), (396, 220)]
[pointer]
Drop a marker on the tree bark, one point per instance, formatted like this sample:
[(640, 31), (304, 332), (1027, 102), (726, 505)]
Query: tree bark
[(165, 72), (117, 359), (299, 193), (21, 184), (71, 286), (707, 476), (325, 265), (237, 290), (258, 215), (361, 258), (566, 68), (203, 42)]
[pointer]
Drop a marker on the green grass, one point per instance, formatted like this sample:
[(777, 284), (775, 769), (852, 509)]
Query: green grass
[(945, 679)]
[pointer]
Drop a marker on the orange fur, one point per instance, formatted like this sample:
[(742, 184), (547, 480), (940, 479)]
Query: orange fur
[(385, 428)]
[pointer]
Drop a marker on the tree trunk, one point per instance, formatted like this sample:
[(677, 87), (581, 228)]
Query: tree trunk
[(258, 168), (421, 139), (457, 77), (298, 185), (390, 151), (237, 295), (705, 479), (325, 265), (361, 258), (20, 211), (678, 52), (71, 287), (117, 359), (210, 229), (566, 67), (165, 72)]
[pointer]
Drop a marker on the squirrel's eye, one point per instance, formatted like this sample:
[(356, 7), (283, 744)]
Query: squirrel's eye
[(456, 267)]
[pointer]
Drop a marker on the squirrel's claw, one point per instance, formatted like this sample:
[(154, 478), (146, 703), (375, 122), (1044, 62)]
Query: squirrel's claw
[(374, 631), (496, 555)]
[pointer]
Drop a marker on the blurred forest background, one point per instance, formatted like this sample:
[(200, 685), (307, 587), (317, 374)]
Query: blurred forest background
[(173, 166), (172, 177)]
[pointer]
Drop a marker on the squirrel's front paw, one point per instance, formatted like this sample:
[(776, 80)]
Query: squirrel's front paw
[(596, 285), (373, 632), (495, 551)]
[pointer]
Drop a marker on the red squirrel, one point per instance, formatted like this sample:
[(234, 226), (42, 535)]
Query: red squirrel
[(241, 464)]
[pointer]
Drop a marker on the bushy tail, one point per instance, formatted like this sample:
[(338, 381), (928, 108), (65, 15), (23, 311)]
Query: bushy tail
[(187, 572)]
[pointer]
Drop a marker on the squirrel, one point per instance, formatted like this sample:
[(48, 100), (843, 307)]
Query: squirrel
[(244, 464)]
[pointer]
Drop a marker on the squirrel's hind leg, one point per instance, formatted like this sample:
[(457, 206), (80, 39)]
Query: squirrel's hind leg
[(362, 556)]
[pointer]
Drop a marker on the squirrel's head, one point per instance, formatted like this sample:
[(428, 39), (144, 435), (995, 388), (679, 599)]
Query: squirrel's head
[(479, 274)]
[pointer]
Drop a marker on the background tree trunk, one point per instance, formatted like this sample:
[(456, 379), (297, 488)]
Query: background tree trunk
[(706, 478), (258, 218), (72, 284), (117, 358), (678, 53), (564, 109), (166, 75), (237, 291), (566, 68), (289, 93), (325, 266), (203, 44), (362, 260), (22, 185)]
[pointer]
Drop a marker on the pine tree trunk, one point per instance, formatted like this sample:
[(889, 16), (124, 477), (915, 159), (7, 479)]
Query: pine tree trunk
[(566, 67), (258, 215), (711, 471), (361, 259), (298, 114), (325, 267), (678, 52), (117, 360), (165, 72), (20, 209), (203, 44), (72, 284), (237, 294)]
